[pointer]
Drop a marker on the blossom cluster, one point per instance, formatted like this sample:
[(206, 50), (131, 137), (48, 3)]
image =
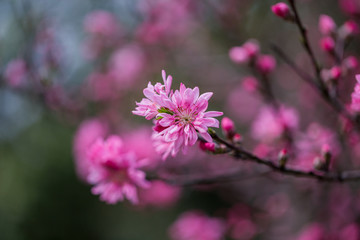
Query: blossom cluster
[(180, 115)]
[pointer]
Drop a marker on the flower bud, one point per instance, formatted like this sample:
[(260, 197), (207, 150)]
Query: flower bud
[(237, 138), (282, 10), (266, 64), (349, 28), (206, 146), (252, 48), (227, 126), (350, 63), (327, 25), (283, 157), (250, 84), (326, 153), (327, 44), (238, 55)]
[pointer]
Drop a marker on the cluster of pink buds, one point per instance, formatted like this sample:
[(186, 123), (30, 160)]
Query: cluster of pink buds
[(179, 115), (249, 53)]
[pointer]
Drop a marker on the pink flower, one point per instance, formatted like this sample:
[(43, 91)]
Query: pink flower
[(270, 124), (266, 64), (160, 194), (180, 115), (355, 96), (313, 231), (195, 225), (327, 25), (15, 72), (87, 133), (281, 10), (115, 172), (207, 146), (351, 7), (101, 22)]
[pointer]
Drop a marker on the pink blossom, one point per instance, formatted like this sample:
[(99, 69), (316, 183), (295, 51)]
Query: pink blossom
[(180, 115), (250, 84), (266, 64), (115, 172), (15, 72), (126, 65), (270, 124), (87, 133), (281, 10), (355, 96), (327, 44), (101, 22), (327, 25), (350, 232), (160, 194), (195, 225), (351, 7)]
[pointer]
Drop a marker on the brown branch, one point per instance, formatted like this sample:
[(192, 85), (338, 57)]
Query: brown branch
[(239, 153)]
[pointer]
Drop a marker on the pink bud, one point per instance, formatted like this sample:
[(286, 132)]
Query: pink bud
[(350, 63), (325, 148), (252, 48), (266, 64), (207, 146), (327, 44), (335, 72), (238, 55), (237, 138), (250, 84), (281, 10), (227, 125), (327, 25), (349, 28)]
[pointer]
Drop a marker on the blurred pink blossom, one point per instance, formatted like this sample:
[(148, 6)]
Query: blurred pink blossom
[(265, 64), (114, 171), (194, 225), (327, 25), (15, 72), (159, 194), (355, 96), (351, 7), (270, 124), (327, 44), (87, 133), (313, 231), (281, 10)]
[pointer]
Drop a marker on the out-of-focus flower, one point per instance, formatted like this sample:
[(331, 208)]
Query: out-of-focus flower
[(351, 7), (270, 124), (101, 22), (159, 194), (15, 72), (115, 172), (207, 146), (355, 96), (350, 63), (244, 53), (266, 64), (87, 133), (333, 73), (327, 25), (126, 65), (240, 224), (181, 114), (195, 225)]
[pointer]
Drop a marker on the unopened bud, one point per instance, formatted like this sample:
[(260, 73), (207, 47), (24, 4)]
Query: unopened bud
[(327, 44), (282, 10), (206, 146), (237, 138), (227, 126), (283, 157), (266, 64), (350, 63), (349, 28), (326, 154), (327, 25)]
